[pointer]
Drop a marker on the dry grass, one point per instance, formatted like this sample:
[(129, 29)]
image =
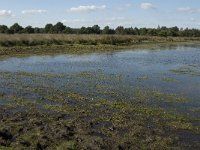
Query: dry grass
[(62, 39), (31, 44)]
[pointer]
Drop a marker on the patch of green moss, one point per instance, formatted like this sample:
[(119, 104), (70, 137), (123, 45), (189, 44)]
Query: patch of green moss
[(170, 80), (25, 74), (5, 148), (154, 95), (76, 96), (60, 108), (69, 145)]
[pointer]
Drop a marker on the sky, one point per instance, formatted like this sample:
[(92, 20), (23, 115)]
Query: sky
[(78, 13)]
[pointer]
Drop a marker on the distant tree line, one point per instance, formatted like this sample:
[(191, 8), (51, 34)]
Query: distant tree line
[(61, 28)]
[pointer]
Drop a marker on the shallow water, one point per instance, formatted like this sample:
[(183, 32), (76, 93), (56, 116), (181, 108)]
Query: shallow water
[(149, 69)]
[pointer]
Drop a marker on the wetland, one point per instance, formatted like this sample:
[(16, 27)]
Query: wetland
[(139, 98)]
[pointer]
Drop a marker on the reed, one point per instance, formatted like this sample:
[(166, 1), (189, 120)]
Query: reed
[(63, 39)]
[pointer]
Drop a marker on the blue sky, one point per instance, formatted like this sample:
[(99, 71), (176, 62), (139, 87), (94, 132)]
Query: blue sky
[(77, 13)]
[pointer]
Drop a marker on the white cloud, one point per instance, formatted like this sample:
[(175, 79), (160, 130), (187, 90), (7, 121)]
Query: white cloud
[(128, 5), (185, 9), (147, 6), (111, 21), (6, 13), (87, 8), (34, 11), (188, 10)]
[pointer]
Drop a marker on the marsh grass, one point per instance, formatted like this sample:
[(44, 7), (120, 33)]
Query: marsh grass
[(50, 44), (61, 39)]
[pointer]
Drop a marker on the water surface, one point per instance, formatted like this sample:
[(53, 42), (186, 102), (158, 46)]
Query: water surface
[(147, 69)]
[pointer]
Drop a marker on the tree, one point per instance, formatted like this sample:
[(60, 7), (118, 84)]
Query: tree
[(48, 28), (96, 29), (129, 31), (37, 30), (68, 30), (119, 30), (143, 31), (16, 28), (9, 31), (58, 28), (107, 30), (89, 30), (3, 28), (174, 31), (137, 31), (61, 28), (163, 33), (152, 32), (83, 30), (28, 29)]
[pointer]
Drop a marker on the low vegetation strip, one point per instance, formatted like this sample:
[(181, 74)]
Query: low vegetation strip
[(18, 44), (60, 39)]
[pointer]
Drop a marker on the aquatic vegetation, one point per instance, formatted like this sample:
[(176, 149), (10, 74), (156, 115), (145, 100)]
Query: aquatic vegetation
[(187, 70), (60, 108), (196, 109), (94, 110), (155, 95), (76, 96), (169, 80), (143, 78), (47, 129), (25, 74), (71, 145)]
